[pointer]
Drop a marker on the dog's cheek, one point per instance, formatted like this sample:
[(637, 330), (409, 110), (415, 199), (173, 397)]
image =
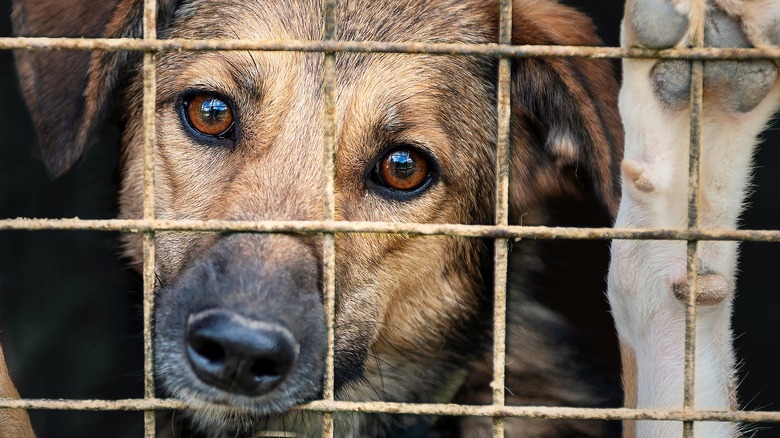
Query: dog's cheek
[(131, 185), (172, 191), (432, 292)]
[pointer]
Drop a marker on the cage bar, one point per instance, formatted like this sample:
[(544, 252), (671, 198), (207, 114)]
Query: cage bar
[(491, 50), (532, 412), (501, 245), (149, 96), (412, 229), (694, 196), (330, 143)]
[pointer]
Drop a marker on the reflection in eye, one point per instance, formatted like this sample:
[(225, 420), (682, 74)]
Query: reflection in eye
[(209, 115), (403, 169)]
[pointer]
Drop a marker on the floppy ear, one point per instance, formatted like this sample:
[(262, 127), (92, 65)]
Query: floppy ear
[(567, 135), (68, 91)]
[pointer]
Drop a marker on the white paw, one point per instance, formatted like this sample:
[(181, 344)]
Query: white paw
[(737, 86)]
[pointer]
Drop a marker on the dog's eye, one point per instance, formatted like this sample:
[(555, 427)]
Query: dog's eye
[(403, 169), (209, 115)]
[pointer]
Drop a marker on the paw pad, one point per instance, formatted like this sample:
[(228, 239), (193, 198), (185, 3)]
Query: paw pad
[(657, 24), (713, 289), (738, 86), (720, 30), (672, 82), (774, 34)]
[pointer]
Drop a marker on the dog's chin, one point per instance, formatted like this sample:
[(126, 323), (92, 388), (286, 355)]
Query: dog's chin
[(212, 419), (214, 411)]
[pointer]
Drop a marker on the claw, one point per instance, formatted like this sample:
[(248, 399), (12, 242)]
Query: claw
[(634, 171)]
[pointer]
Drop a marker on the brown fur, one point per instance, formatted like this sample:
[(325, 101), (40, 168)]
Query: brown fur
[(13, 422), (629, 374), (410, 311)]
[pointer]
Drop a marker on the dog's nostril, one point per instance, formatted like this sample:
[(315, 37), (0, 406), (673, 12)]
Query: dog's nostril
[(210, 351), (237, 354), (264, 368)]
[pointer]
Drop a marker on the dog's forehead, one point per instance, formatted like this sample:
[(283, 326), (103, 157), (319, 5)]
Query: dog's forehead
[(467, 21), (381, 98), (374, 90)]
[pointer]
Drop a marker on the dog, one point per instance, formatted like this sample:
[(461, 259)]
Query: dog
[(239, 317)]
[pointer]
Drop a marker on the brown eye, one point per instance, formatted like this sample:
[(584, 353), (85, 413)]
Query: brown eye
[(209, 115), (403, 169)]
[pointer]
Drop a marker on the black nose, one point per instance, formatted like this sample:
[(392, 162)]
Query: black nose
[(237, 354)]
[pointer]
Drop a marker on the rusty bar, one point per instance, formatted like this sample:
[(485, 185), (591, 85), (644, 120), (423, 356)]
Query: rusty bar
[(330, 144), (149, 97), (492, 50), (501, 245), (694, 195), (148, 312), (412, 229), (538, 412)]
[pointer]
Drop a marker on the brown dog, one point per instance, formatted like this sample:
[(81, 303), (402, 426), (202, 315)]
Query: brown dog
[(239, 320)]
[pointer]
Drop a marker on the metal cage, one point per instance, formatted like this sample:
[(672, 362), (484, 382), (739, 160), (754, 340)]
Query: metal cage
[(501, 231)]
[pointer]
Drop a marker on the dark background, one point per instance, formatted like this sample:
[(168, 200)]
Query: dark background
[(70, 311)]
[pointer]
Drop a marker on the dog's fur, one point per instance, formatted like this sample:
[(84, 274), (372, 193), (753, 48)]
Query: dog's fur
[(647, 278), (413, 314)]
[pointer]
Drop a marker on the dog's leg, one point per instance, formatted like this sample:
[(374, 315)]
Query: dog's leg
[(13, 422), (646, 279)]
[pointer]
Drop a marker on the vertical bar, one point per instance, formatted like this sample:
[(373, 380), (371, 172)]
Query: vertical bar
[(329, 171), (150, 92), (692, 269), (501, 246)]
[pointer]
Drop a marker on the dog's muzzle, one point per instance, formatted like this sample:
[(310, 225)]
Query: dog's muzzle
[(243, 326)]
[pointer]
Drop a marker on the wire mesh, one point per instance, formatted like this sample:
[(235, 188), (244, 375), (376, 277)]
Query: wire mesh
[(502, 232)]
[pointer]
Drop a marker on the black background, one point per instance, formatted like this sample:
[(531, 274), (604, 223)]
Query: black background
[(70, 312)]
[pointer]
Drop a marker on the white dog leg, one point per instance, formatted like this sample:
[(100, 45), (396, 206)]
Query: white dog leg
[(646, 279)]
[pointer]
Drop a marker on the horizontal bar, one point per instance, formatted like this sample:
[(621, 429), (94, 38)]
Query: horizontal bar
[(415, 229), (540, 412), (493, 50)]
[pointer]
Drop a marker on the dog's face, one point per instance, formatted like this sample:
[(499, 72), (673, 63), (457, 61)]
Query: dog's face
[(404, 154), (239, 318)]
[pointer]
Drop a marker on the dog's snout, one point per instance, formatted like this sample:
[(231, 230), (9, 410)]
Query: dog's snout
[(237, 354)]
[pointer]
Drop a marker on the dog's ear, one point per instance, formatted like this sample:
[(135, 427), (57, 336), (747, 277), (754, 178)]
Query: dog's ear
[(567, 135), (68, 91)]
